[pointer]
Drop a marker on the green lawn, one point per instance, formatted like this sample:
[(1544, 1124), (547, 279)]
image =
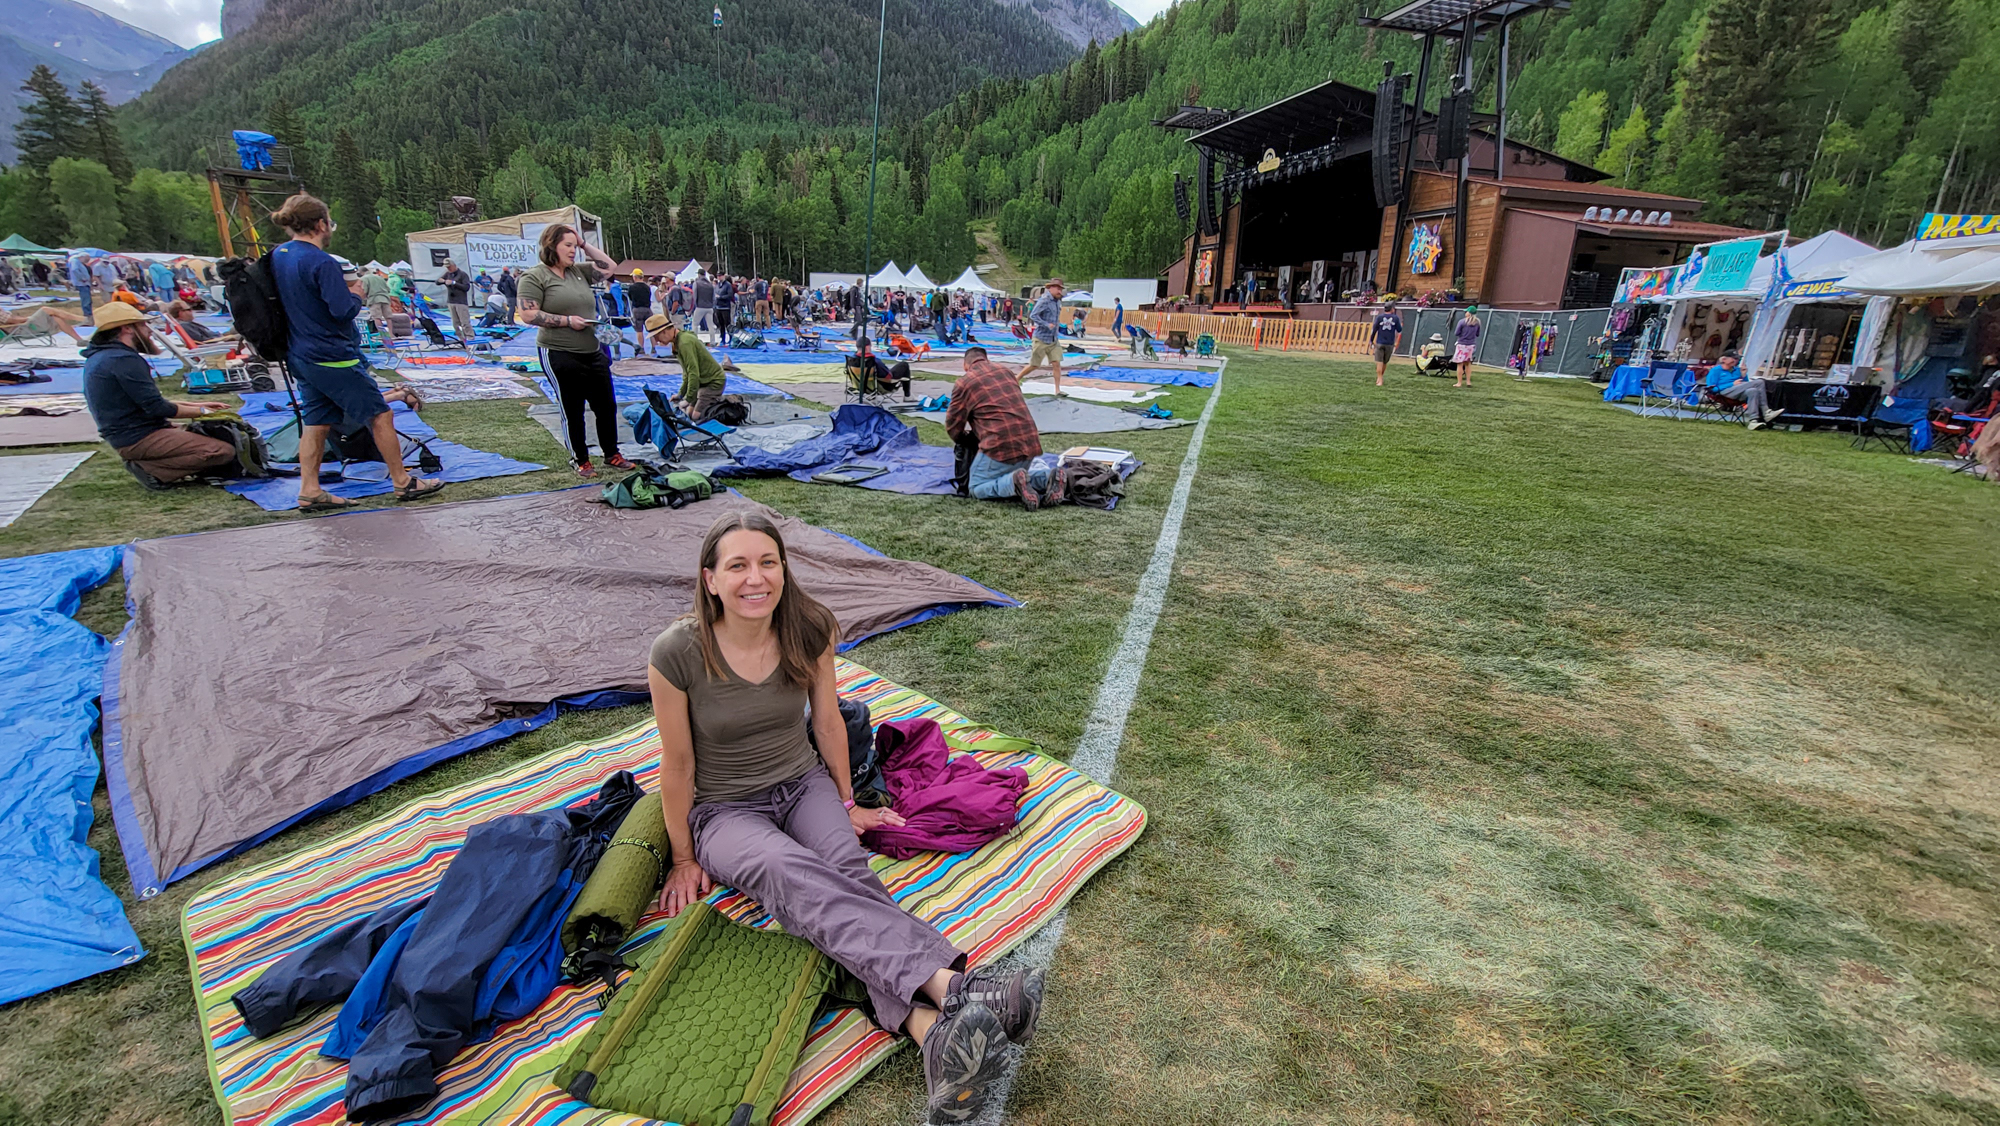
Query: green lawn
[(1510, 758)]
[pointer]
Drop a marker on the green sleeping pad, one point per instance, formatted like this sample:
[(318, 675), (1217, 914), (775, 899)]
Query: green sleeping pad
[(618, 891), (708, 1029)]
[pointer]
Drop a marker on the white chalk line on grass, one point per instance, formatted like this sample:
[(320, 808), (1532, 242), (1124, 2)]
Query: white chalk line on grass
[(1103, 733)]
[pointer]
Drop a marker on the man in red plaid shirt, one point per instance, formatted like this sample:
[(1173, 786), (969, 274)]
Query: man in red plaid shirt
[(987, 409)]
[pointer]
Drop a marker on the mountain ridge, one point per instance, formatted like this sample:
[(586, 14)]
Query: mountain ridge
[(80, 44)]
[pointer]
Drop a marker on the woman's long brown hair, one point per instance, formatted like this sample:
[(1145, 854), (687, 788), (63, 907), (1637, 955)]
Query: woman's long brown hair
[(804, 626)]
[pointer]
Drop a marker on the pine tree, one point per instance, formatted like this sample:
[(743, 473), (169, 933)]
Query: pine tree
[(1226, 19), (656, 147), (774, 158), (51, 125), (100, 141), (655, 220)]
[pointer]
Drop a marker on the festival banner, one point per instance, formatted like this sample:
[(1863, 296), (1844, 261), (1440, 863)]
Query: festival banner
[(1426, 247), (1936, 226), (1728, 265), (1639, 283), (481, 250)]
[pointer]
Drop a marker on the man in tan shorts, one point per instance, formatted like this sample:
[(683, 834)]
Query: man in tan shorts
[(1047, 349)]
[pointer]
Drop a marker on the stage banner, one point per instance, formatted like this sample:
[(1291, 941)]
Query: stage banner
[(481, 250), (1728, 265), (1936, 226)]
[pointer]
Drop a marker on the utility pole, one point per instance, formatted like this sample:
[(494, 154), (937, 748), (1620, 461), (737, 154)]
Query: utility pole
[(874, 147)]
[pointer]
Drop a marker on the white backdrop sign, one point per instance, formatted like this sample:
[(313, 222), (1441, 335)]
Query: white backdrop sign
[(496, 252)]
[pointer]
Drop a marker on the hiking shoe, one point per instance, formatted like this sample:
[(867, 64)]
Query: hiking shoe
[(1755, 424), (618, 461), (1057, 490), (964, 1055), (152, 483), (585, 469), (1015, 998), (1030, 498)]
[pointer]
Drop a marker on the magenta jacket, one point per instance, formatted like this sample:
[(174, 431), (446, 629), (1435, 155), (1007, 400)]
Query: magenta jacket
[(951, 804)]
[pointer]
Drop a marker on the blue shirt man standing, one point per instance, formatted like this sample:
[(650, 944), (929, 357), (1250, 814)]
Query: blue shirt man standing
[(1386, 332)]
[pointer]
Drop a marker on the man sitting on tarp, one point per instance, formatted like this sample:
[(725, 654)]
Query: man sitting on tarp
[(702, 379), (987, 409), (130, 412)]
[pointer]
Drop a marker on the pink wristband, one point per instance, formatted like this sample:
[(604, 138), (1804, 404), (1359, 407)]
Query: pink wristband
[(849, 803)]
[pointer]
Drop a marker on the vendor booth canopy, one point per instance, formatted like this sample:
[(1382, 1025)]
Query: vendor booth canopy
[(916, 279), (18, 245), (889, 278), (1929, 268), (350, 652), (689, 272), (971, 283)]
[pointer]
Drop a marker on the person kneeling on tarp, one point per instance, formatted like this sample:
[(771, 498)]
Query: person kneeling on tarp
[(130, 412), (749, 802), (987, 410), (702, 379)]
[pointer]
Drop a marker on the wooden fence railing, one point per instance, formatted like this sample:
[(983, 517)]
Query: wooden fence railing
[(1282, 334)]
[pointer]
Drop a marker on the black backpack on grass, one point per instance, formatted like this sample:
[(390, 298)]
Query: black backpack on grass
[(251, 289)]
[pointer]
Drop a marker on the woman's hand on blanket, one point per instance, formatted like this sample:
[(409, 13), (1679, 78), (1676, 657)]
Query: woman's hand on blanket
[(865, 819), (686, 885)]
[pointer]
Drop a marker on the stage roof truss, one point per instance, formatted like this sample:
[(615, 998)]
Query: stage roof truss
[(1447, 17)]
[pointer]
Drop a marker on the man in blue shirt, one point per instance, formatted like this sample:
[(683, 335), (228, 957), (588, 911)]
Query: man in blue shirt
[(324, 355), (1117, 317), (1387, 331), (79, 277), (1726, 381), (130, 412), (1047, 350)]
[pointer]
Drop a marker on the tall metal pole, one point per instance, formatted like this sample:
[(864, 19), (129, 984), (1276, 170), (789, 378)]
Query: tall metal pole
[(1462, 84), (1500, 144), (874, 147)]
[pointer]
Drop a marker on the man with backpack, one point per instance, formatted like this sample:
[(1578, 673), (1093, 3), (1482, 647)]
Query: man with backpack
[(323, 353), (130, 412)]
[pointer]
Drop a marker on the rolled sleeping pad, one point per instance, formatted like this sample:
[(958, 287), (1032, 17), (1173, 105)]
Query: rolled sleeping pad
[(623, 886)]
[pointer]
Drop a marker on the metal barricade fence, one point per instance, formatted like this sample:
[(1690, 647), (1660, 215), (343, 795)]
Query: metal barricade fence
[(1574, 352)]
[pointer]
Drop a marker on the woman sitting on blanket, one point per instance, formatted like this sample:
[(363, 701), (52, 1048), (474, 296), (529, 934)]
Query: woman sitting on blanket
[(751, 804)]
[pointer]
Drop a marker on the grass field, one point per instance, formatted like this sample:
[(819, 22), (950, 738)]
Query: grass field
[(1510, 759)]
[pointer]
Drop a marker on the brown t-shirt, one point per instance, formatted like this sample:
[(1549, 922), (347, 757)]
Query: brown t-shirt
[(747, 737)]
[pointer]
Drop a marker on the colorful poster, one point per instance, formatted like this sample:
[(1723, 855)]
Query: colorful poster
[(1937, 226), (1426, 247), (1728, 265), (1204, 268), (1641, 284)]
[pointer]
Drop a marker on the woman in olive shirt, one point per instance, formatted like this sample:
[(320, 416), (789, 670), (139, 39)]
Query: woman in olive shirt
[(750, 802), (557, 298)]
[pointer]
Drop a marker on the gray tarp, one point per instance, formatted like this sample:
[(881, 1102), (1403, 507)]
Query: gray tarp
[(1068, 416), (277, 672)]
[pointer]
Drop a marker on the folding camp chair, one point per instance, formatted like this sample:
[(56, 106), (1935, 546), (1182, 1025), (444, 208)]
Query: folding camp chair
[(1661, 387), (1900, 427), (1141, 343), (867, 384), (683, 434)]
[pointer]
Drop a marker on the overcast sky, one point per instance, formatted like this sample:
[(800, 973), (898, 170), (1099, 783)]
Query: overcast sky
[(188, 22)]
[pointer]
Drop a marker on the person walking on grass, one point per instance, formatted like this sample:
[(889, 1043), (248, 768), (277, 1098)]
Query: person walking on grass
[(1047, 349), (558, 298), (458, 300), (639, 298), (1386, 331), (1465, 341), (704, 303), (323, 355)]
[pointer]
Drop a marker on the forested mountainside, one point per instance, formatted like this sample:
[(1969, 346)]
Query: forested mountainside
[(499, 74), (1807, 114), (81, 44), (1080, 21)]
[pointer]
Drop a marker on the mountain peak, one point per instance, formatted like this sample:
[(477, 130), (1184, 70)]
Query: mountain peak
[(1079, 21)]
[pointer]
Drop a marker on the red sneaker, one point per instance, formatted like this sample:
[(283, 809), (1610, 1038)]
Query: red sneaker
[(617, 461), (585, 469)]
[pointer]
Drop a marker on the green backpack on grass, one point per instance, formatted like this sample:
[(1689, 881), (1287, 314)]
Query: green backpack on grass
[(652, 487)]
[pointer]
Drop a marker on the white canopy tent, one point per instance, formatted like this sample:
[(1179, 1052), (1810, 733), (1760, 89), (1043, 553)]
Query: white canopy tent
[(1929, 268), (973, 284), (689, 272), (915, 279), (890, 277)]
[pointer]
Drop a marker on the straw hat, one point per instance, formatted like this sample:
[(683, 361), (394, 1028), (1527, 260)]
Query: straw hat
[(660, 321), (115, 314)]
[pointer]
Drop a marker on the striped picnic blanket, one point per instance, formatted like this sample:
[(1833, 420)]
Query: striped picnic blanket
[(986, 902)]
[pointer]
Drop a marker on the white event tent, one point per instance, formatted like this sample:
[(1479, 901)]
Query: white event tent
[(915, 279), (972, 283), (890, 277)]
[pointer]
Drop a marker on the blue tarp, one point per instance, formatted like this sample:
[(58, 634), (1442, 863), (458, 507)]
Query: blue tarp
[(860, 433), (58, 922), (632, 388), (62, 381), (253, 149), (268, 410), (1201, 377)]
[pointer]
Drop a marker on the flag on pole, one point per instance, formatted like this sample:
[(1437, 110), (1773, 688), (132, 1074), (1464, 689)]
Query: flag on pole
[(718, 15)]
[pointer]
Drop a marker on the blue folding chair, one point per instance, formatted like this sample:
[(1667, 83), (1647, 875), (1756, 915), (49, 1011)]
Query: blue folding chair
[(1665, 385), (675, 434)]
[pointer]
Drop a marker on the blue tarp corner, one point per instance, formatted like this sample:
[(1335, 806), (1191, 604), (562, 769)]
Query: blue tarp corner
[(58, 922)]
